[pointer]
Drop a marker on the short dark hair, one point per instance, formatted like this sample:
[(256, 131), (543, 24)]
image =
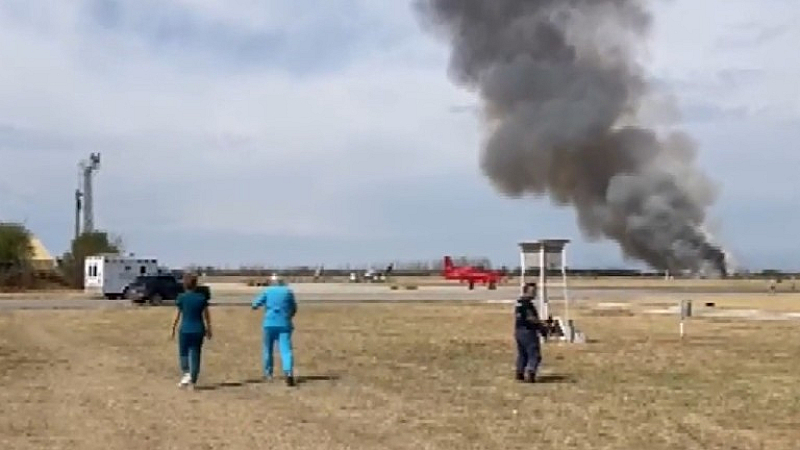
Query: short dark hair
[(529, 288), (190, 281)]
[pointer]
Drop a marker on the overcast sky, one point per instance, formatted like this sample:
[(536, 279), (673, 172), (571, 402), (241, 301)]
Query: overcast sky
[(304, 132)]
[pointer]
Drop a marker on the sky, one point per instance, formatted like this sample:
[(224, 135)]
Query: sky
[(304, 132)]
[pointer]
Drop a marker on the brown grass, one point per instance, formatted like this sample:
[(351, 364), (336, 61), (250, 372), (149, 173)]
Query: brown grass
[(779, 302), (783, 302), (397, 376)]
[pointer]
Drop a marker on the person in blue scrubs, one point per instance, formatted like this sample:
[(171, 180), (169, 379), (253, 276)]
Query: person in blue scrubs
[(279, 311), (195, 325)]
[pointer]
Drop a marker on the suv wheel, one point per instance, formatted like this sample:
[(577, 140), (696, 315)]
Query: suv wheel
[(156, 299)]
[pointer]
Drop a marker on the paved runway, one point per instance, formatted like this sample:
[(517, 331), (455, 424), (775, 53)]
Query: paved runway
[(231, 294)]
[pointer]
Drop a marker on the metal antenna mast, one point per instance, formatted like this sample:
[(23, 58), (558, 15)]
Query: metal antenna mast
[(78, 195), (88, 168), (78, 203)]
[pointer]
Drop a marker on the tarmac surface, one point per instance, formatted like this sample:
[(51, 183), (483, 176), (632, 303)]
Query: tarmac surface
[(238, 294), (233, 294)]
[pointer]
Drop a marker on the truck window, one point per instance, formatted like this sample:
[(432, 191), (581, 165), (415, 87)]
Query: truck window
[(142, 270)]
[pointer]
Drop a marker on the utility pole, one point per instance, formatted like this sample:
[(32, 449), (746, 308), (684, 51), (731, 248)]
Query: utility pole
[(77, 213), (88, 168)]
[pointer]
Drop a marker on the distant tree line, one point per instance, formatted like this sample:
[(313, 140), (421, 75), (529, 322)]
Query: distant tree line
[(435, 268), (16, 255), (414, 267), (87, 244), (19, 271)]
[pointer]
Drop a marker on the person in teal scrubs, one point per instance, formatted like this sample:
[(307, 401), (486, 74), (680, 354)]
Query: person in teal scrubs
[(195, 325)]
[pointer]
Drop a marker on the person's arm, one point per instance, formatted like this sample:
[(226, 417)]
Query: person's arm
[(292, 305), (207, 317), (178, 309), (259, 300), (175, 323)]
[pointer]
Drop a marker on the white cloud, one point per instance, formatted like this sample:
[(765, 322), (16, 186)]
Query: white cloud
[(237, 137), (737, 54)]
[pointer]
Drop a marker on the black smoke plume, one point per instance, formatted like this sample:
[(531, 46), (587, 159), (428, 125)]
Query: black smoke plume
[(562, 95)]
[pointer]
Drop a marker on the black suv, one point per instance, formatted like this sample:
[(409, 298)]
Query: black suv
[(153, 289)]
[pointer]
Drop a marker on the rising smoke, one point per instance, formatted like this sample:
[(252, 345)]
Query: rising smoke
[(562, 96)]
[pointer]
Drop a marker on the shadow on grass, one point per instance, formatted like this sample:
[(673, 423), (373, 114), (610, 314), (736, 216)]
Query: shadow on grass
[(554, 378), (253, 381), (312, 378)]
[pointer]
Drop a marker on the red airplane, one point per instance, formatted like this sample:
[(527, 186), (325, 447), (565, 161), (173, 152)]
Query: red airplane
[(471, 274)]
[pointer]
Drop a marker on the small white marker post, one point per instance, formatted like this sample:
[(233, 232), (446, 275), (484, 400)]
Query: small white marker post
[(686, 312)]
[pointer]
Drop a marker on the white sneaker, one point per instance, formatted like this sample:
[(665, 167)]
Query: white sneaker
[(187, 378)]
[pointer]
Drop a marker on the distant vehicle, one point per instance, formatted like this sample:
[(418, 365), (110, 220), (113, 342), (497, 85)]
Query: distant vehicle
[(109, 274), (154, 289), (471, 275), (373, 275)]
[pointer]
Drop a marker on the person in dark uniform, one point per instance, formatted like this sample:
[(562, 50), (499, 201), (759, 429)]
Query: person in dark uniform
[(526, 332)]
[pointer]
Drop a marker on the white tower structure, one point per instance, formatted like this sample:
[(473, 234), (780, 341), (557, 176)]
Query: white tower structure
[(548, 256), (88, 168)]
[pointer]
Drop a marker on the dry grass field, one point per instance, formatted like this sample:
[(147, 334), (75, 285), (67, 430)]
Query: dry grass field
[(390, 376)]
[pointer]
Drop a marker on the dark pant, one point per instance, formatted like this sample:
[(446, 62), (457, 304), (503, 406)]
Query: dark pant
[(190, 346), (529, 353)]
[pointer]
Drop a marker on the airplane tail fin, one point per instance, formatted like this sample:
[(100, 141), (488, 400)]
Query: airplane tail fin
[(448, 263)]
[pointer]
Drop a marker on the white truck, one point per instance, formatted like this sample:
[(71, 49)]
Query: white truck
[(109, 274)]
